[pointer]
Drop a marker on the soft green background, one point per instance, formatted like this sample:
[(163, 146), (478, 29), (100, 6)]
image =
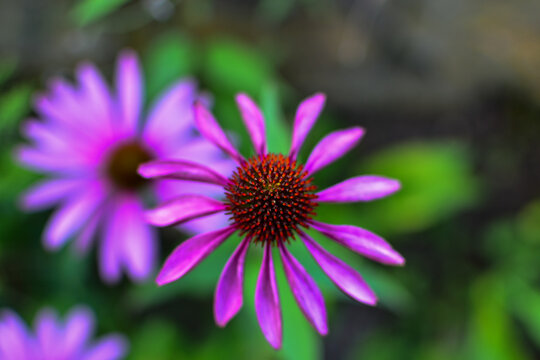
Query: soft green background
[(449, 92)]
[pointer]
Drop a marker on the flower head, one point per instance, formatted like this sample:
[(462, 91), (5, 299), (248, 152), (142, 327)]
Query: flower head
[(57, 340), (271, 199), (89, 142)]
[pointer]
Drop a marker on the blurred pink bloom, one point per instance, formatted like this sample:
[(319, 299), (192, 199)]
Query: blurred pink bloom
[(270, 199), (89, 141), (56, 340)]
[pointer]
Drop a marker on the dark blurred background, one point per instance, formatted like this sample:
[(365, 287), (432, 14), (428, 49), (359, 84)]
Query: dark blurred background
[(449, 92)]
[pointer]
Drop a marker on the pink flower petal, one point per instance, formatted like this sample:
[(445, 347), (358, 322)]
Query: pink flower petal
[(171, 117), (345, 277), (112, 347), (88, 232), (332, 147), (360, 188), (129, 90), (95, 91), (210, 129), (306, 115), (181, 170), (110, 254), (15, 342), (50, 192), (190, 253), (48, 332), (254, 121), (137, 239), (361, 241), (39, 160), (183, 208), (77, 331), (305, 291), (267, 304), (71, 217), (229, 291)]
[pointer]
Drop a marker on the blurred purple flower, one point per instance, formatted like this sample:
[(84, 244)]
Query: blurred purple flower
[(269, 199), (90, 141), (54, 340)]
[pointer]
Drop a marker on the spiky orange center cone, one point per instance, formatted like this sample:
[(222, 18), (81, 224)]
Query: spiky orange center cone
[(269, 197)]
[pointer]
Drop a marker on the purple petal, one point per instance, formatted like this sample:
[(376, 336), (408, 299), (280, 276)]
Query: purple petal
[(360, 188), (267, 301), (137, 239), (254, 121), (129, 89), (112, 347), (183, 208), (171, 118), (96, 93), (306, 115), (210, 129), (77, 331), (71, 217), (229, 291), (190, 253), (345, 277), (109, 249), (332, 147), (181, 170), (361, 241), (88, 232), (48, 332), (305, 291), (49, 192), (15, 342)]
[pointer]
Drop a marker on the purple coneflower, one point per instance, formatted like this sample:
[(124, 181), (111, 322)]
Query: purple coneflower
[(57, 340), (90, 141), (270, 199)]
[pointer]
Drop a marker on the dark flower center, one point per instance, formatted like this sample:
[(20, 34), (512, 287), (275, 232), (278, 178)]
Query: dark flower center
[(123, 163), (269, 197)]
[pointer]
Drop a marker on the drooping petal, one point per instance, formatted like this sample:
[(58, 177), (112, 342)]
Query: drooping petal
[(77, 331), (210, 129), (345, 277), (87, 234), (137, 239), (360, 188), (254, 121), (129, 90), (181, 170), (332, 147), (190, 253), (305, 291), (49, 192), (110, 255), (228, 298), (71, 216), (267, 304), (183, 208), (361, 241), (172, 116), (112, 347), (306, 115)]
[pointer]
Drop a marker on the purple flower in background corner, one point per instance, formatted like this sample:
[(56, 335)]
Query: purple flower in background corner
[(89, 142), (270, 198), (57, 340)]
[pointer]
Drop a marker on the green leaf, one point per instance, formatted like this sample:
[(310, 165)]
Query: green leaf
[(89, 11), (157, 340), (170, 57), (437, 182), (234, 67), (7, 68), (14, 105), (491, 335)]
